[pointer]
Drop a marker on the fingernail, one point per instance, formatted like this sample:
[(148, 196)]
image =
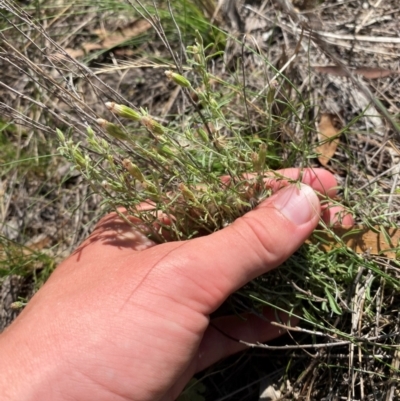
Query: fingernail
[(297, 203)]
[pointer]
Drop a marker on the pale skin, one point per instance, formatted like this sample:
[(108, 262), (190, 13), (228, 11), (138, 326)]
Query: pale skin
[(124, 319)]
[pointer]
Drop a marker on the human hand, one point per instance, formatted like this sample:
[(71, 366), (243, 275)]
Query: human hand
[(125, 319)]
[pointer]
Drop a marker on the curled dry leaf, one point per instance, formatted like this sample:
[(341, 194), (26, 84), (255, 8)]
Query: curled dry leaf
[(326, 131), (366, 72)]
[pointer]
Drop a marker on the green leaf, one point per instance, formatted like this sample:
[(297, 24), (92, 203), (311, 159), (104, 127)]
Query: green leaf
[(332, 303), (193, 391)]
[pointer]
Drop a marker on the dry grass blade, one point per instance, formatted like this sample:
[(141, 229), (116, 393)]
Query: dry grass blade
[(366, 72)]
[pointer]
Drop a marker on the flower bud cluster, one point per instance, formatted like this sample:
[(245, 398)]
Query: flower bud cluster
[(174, 168)]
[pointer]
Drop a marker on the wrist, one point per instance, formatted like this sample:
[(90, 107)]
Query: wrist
[(13, 368), (26, 371)]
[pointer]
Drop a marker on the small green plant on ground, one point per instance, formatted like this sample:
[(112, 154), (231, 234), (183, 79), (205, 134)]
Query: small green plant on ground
[(194, 170), (19, 165)]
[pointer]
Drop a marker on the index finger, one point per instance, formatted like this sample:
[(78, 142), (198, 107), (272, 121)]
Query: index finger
[(320, 180)]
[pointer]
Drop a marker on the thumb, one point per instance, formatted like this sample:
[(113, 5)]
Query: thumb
[(254, 244)]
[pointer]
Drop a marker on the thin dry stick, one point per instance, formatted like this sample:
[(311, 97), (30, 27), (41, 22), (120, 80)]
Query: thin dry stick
[(393, 383), (374, 39), (317, 38), (84, 70), (278, 74), (368, 16), (244, 87)]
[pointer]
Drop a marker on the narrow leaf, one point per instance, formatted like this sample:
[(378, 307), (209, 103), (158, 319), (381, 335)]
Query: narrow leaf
[(332, 303)]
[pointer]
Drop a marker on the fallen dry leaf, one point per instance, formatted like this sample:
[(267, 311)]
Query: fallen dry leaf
[(109, 39), (327, 130), (374, 73), (366, 72), (37, 243), (362, 239), (113, 39), (331, 69), (84, 49)]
